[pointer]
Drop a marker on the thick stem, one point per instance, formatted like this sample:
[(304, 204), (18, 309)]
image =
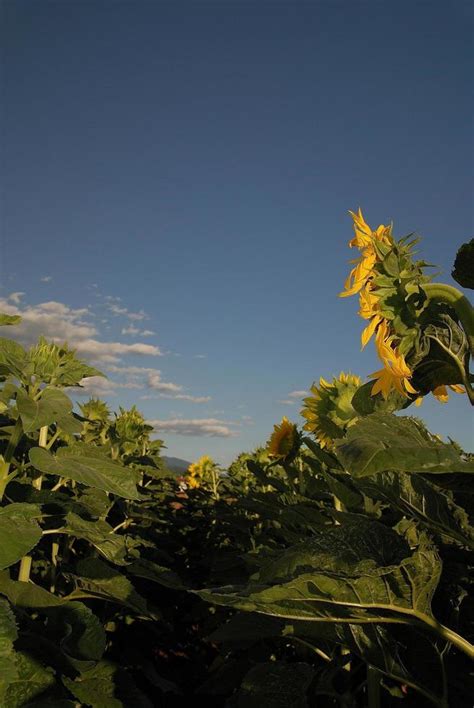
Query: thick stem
[(373, 687), (25, 568), (440, 292), (25, 564)]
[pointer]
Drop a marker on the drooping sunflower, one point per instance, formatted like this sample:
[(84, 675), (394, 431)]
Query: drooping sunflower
[(364, 239), (329, 411), (284, 442)]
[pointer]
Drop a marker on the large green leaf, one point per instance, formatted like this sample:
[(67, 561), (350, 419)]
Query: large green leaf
[(12, 358), (359, 571), (83, 636), (51, 407), (421, 499), (106, 686), (383, 442), (26, 594), (90, 467), (101, 535), (8, 634), (143, 568), (96, 579), (19, 532), (32, 680), (276, 684)]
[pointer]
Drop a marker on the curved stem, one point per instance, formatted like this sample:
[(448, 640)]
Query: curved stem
[(447, 294)]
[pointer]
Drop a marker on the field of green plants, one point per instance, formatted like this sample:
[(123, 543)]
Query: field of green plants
[(333, 566)]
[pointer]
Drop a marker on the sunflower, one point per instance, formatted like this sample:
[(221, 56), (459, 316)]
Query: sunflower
[(364, 240), (284, 441), (329, 410)]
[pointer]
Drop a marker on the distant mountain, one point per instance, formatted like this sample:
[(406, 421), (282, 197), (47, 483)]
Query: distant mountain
[(175, 464)]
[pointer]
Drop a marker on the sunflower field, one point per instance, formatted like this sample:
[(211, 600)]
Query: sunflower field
[(333, 566)]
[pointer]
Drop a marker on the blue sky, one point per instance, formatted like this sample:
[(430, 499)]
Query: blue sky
[(177, 177)]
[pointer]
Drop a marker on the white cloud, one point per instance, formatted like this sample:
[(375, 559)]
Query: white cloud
[(46, 278), (135, 330), (200, 356), (100, 386), (15, 298), (137, 315), (60, 323), (177, 397), (293, 397), (116, 310), (155, 382), (196, 427), (112, 350)]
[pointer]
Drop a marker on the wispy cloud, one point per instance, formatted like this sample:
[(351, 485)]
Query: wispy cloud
[(136, 331), (46, 278), (194, 427), (15, 298), (116, 310), (100, 386), (60, 323), (293, 397)]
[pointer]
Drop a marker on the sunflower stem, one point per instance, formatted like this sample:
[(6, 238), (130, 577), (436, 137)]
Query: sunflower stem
[(447, 294)]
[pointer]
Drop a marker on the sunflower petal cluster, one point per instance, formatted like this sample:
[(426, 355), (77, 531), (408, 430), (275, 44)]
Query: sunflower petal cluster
[(285, 441), (329, 411), (198, 471)]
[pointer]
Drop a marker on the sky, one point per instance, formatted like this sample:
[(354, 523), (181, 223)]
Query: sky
[(176, 184)]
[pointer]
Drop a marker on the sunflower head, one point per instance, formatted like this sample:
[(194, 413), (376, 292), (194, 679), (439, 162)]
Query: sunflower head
[(285, 441), (329, 411)]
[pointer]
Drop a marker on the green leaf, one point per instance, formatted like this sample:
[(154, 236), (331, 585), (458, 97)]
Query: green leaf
[(52, 406), (9, 319), (32, 680), (381, 442), (12, 358), (365, 404), (19, 532), (96, 688), (143, 568), (106, 686), (96, 579), (88, 466), (418, 498), (360, 571), (101, 535), (26, 594), (276, 684), (8, 634), (463, 272), (83, 639)]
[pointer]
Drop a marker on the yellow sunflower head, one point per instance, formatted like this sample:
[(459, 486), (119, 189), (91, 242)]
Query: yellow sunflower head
[(329, 411), (285, 441)]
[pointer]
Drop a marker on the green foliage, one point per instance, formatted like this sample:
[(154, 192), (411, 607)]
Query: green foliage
[(463, 272)]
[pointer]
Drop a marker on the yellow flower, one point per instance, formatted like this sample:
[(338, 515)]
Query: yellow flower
[(329, 410), (364, 240), (441, 392), (396, 372), (369, 305), (284, 440)]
